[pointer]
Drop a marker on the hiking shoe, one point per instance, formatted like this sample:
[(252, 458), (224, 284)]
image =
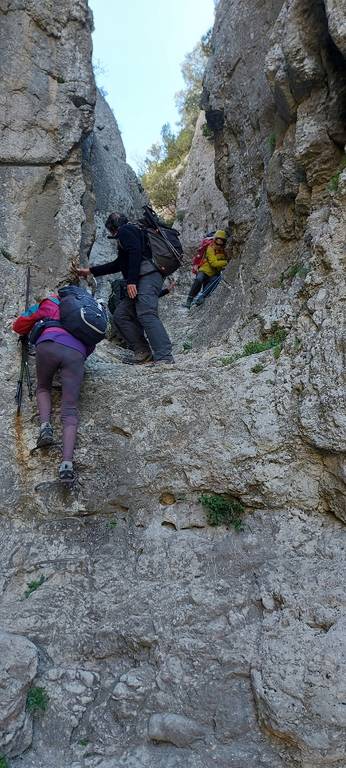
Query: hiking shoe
[(165, 361), (66, 472), (139, 359), (46, 435)]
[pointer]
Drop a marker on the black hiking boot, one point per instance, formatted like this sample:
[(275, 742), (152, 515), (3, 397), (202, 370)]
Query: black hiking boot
[(46, 435), (66, 473)]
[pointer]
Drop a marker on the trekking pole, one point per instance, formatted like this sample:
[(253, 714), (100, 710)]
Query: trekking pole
[(24, 365)]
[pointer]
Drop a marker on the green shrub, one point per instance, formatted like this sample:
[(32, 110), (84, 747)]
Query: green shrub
[(258, 368), (33, 585), (37, 700), (3, 762), (223, 510)]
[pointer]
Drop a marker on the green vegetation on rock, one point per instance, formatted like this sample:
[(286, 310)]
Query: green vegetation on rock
[(164, 164), (333, 185), (33, 585), (37, 700), (275, 342), (255, 347), (223, 510), (301, 270), (272, 141)]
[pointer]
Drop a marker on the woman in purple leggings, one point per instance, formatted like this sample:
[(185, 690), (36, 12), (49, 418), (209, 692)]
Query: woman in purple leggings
[(56, 349)]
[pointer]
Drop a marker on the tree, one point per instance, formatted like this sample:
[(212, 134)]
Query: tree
[(161, 166)]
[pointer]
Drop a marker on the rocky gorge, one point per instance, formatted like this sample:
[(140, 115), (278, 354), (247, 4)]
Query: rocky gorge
[(148, 636)]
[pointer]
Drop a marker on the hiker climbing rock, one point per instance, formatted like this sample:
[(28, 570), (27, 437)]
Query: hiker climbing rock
[(57, 348), (136, 315), (207, 265)]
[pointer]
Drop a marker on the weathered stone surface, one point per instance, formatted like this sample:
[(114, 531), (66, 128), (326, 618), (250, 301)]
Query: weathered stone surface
[(147, 612), (201, 207), (47, 102), (18, 666), (47, 83), (336, 15), (114, 184), (300, 686), (174, 729)]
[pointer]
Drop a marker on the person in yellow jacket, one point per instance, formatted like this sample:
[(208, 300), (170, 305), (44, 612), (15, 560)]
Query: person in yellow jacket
[(214, 261)]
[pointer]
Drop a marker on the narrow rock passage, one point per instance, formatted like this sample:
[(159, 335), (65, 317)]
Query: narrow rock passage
[(145, 635)]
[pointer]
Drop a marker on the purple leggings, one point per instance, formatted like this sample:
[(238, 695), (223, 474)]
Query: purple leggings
[(49, 357)]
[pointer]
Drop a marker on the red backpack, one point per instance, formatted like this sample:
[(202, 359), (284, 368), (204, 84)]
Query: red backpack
[(199, 259)]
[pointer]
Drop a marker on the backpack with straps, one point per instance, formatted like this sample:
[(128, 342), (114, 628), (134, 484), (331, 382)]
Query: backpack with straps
[(164, 244), (82, 315), (199, 259)]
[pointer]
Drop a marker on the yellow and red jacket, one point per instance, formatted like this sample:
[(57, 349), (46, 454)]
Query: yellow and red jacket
[(215, 261)]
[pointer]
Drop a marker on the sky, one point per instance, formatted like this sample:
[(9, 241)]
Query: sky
[(140, 44)]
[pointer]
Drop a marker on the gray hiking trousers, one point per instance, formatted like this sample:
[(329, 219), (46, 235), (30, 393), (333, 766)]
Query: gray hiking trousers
[(134, 317)]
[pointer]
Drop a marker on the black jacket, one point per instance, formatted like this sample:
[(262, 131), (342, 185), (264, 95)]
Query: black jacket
[(131, 250)]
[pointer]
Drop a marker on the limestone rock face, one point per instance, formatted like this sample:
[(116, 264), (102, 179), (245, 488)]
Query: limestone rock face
[(113, 183), (18, 666), (201, 207), (164, 640), (47, 104)]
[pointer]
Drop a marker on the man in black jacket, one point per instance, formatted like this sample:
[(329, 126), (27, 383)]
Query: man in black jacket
[(138, 311)]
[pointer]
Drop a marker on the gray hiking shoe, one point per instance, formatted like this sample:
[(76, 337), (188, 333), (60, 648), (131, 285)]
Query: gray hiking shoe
[(66, 472), (46, 435)]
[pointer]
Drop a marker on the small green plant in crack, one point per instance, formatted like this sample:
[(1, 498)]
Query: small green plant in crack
[(276, 340), (37, 700), (112, 523), (187, 345), (3, 762), (272, 141), (223, 510), (33, 585), (296, 269), (229, 359), (277, 351), (333, 185), (258, 368), (83, 742), (208, 132)]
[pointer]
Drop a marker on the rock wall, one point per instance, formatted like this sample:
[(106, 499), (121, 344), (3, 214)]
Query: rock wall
[(157, 638), (47, 104), (201, 207), (114, 184)]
